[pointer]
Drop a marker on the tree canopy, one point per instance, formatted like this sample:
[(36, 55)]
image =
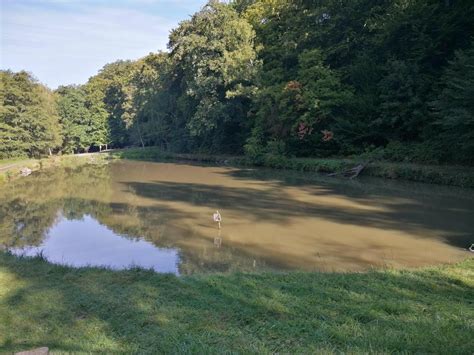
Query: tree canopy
[(29, 122), (391, 78)]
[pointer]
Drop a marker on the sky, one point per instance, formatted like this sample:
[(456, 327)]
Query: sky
[(67, 41)]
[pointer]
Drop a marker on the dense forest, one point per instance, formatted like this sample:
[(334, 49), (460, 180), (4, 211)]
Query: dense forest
[(386, 79)]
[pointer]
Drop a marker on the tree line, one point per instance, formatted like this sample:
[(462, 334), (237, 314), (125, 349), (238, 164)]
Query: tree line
[(389, 79)]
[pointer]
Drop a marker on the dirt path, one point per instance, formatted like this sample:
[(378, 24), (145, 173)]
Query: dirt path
[(13, 165), (28, 161)]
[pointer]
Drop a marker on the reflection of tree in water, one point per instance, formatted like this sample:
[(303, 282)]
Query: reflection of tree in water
[(155, 225), (24, 223), (30, 207), (136, 206)]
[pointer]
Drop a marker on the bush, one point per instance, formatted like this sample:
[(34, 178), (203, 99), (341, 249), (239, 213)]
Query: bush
[(403, 152)]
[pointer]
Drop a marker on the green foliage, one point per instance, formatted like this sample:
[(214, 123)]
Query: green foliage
[(29, 123), (155, 102), (401, 109), (109, 100), (76, 120), (455, 108), (215, 62), (383, 59), (277, 77)]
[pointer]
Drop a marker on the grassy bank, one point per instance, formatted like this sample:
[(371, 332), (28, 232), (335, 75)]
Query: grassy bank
[(10, 169), (6, 162), (96, 310), (443, 175)]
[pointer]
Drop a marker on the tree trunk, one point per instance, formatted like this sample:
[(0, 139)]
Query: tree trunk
[(140, 135)]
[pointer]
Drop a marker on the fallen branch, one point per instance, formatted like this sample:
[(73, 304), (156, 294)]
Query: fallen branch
[(351, 173)]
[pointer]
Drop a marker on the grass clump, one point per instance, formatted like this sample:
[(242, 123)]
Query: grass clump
[(138, 311)]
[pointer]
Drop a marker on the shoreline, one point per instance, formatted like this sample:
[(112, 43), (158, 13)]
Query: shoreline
[(91, 309), (11, 171), (430, 174)]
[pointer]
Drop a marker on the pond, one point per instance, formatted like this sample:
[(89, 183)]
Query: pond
[(160, 216)]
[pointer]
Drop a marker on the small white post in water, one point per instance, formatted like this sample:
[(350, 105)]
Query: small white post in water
[(217, 218)]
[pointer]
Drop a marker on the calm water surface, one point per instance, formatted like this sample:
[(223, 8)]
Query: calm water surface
[(159, 216)]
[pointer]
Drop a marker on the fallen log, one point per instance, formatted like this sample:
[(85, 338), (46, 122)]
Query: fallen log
[(352, 172)]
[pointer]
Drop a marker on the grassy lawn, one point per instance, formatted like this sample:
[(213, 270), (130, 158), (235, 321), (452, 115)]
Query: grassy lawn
[(96, 310), (6, 162), (10, 168)]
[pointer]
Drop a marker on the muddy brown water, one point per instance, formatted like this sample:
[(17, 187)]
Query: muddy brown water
[(159, 216)]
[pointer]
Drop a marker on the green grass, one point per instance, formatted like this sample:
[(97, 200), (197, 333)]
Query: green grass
[(4, 162), (434, 174), (11, 173), (96, 310)]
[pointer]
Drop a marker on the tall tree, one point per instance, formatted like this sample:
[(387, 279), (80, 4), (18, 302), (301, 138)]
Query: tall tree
[(29, 123), (216, 61), (155, 102), (78, 126), (454, 109)]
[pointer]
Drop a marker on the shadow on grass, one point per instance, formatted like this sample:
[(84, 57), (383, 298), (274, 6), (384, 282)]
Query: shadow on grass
[(94, 310)]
